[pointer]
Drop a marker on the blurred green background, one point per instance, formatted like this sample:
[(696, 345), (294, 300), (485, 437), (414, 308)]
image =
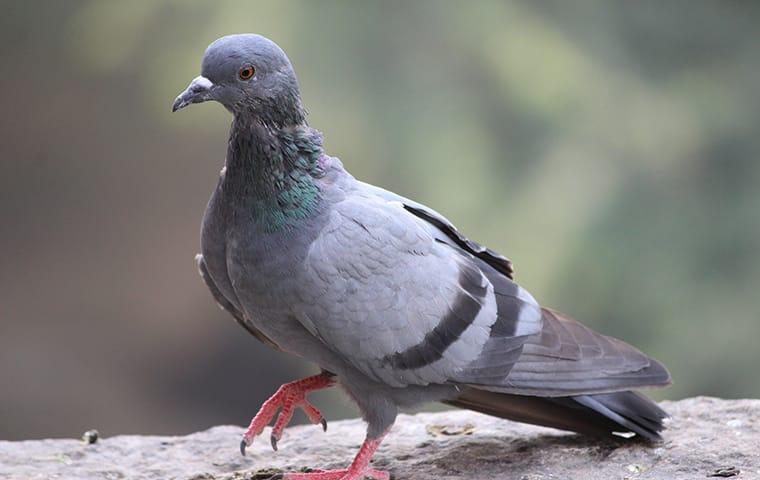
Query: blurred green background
[(609, 148)]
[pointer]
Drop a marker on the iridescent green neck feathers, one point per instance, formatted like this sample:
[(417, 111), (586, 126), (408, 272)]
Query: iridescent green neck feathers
[(274, 172)]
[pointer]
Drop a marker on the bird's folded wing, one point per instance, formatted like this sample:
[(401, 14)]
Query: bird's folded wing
[(550, 354), (395, 302)]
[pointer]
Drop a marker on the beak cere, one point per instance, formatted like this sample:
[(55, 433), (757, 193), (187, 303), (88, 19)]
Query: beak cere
[(198, 91)]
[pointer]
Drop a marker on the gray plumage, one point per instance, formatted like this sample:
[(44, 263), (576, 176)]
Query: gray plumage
[(381, 291)]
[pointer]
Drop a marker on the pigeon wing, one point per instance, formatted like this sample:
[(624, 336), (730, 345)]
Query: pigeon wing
[(528, 350)]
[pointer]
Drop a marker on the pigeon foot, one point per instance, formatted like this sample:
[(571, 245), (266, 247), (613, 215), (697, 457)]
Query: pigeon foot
[(345, 474), (358, 470), (286, 399)]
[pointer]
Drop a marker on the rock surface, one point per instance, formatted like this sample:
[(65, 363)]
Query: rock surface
[(707, 437)]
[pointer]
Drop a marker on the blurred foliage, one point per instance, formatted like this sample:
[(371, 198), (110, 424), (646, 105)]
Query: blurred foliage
[(609, 148)]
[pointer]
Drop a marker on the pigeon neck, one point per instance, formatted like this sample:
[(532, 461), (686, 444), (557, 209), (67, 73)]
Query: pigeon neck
[(272, 171)]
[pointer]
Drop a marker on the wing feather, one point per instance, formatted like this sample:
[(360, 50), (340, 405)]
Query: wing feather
[(568, 358)]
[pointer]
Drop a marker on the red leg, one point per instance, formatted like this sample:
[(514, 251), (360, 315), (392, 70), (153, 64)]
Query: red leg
[(358, 469), (286, 399)]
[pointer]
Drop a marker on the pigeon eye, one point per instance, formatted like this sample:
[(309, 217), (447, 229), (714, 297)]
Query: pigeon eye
[(246, 73)]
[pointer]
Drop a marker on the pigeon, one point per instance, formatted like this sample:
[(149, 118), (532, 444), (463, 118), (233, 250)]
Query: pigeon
[(384, 295)]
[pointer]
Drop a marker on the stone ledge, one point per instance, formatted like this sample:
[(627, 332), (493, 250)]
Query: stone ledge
[(706, 437)]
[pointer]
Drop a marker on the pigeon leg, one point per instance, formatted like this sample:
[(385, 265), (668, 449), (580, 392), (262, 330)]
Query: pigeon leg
[(358, 469), (286, 399)]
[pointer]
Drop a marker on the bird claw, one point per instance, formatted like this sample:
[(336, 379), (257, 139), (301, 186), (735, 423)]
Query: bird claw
[(286, 399)]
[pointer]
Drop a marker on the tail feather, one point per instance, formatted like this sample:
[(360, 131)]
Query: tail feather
[(599, 415), (629, 409)]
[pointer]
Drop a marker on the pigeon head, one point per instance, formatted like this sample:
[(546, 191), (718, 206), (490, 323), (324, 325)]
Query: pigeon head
[(252, 77)]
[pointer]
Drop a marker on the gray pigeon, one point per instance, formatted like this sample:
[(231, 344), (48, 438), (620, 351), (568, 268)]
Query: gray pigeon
[(384, 294)]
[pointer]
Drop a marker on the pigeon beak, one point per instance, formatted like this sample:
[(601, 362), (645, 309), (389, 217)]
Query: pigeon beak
[(198, 91)]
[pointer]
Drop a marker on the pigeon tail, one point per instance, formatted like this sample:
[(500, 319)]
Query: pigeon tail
[(600, 415)]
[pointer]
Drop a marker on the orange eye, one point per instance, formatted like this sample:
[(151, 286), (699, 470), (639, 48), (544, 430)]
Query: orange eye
[(246, 73)]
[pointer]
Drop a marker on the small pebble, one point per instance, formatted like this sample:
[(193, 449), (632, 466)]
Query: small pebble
[(725, 472), (90, 436)]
